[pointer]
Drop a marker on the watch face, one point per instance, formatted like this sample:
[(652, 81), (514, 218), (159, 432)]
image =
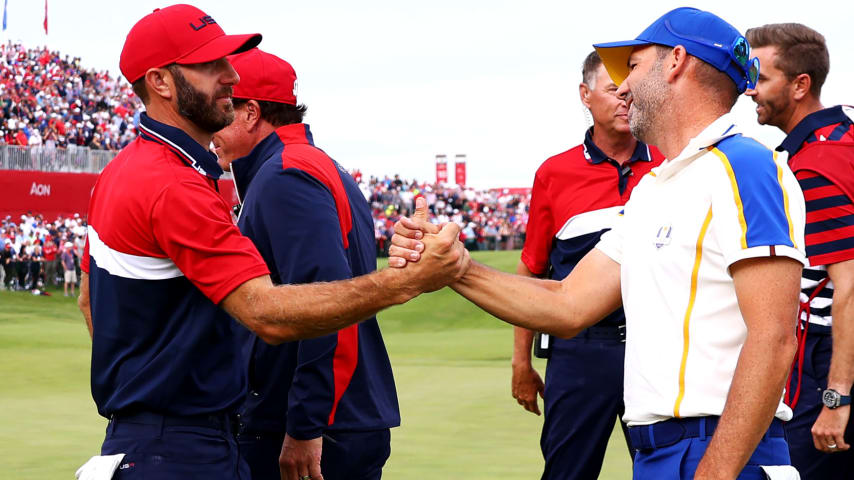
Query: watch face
[(830, 398)]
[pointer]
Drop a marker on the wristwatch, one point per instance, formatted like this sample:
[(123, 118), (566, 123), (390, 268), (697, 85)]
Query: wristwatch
[(833, 399)]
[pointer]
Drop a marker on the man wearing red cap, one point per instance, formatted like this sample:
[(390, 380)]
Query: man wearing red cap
[(329, 400), (165, 267)]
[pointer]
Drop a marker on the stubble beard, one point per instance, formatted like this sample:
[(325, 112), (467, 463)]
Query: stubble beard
[(202, 109), (648, 100), (772, 109)]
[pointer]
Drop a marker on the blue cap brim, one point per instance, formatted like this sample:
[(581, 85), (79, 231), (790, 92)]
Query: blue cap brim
[(615, 57)]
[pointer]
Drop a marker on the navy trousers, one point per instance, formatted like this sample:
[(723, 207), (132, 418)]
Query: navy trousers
[(174, 449), (583, 399), (346, 455), (812, 463)]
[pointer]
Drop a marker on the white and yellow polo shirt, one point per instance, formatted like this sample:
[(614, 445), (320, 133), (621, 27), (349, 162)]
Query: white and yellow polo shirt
[(725, 198)]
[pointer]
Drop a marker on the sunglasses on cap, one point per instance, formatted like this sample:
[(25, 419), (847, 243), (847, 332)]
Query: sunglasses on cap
[(740, 53)]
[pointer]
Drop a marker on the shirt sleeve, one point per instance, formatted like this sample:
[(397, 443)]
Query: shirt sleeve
[(298, 218), (192, 225), (540, 230), (611, 242), (757, 207), (829, 232)]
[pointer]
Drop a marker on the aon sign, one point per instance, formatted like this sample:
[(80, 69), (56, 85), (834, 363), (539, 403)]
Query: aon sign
[(40, 189)]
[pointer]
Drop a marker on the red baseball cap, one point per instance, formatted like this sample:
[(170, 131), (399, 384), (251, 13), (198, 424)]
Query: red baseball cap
[(178, 34), (264, 76)]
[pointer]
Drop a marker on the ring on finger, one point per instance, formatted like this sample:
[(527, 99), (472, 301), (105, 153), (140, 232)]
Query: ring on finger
[(832, 446), (305, 477)]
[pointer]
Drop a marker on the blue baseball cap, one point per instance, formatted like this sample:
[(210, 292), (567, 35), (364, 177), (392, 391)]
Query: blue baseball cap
[(703, 34)]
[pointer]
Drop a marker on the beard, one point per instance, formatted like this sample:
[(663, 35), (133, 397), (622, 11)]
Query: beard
[(772, 108), (200, 108), (648, 100)]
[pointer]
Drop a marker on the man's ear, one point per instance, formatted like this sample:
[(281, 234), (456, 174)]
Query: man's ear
[(675, 63), (584, 94), (159, 81), (252, 111), (801, 86)]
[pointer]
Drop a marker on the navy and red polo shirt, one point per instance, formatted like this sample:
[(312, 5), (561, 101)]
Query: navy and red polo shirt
[(576, 196), (821, 153), (311, 223), (161, 253)]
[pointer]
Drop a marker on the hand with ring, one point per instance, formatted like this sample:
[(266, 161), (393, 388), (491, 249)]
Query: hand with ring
[(300, 459), (828, 431)]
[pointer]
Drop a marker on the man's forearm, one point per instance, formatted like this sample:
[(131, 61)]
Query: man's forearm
[(841, 375), (559, 308), (523, 338), (290, 312), (83, 301), (754, 396), (767, 290)]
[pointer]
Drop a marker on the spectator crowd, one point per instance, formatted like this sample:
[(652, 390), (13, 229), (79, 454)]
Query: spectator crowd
[(37, 253), (50, 100), (489, 219)]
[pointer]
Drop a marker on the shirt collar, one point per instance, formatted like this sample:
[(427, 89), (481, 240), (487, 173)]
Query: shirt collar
[(594, 155), (812, 122), (184, 146), (723, 127), (245, 168)]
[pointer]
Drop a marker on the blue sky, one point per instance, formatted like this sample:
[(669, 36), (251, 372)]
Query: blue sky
[(390, 84)]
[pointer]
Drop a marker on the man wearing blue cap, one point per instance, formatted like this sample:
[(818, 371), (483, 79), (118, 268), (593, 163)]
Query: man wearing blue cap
[(705, 260)]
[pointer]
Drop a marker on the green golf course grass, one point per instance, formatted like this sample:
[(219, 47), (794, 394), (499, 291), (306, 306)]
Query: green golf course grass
[(451, 363)]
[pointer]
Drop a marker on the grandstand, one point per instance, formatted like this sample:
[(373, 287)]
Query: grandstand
[(61, 124)]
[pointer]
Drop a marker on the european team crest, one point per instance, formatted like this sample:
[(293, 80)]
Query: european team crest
[(662, 238)]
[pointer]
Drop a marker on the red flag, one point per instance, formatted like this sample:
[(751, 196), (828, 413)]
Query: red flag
[(441, 169), (45, 17), (460, 169)]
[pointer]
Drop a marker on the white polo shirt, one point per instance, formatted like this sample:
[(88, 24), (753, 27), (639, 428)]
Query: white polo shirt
[(725, 198)]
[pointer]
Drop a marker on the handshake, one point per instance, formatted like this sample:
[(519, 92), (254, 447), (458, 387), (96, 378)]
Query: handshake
[(428, 256), (431, 258)]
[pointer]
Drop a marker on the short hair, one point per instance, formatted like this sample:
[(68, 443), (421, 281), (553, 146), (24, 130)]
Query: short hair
[(589, 67), (140, 90), (723, 88), (800, 49), (276, 113)]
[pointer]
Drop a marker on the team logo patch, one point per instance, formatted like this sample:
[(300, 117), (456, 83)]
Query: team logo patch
[(662, 238), (203, 22)]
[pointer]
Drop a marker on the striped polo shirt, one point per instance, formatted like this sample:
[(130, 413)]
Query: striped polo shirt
[(821, 152)]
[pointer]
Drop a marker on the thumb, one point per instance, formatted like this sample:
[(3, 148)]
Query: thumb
[(450, 231), (420, 209)]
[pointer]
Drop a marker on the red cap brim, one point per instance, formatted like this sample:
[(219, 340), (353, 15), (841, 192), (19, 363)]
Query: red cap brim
[(221, 47)]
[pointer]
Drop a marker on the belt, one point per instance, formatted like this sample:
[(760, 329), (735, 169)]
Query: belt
[(219, 421), (669, 432), (617, 333)]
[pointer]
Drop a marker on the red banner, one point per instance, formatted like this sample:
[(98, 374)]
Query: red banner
[(47, 193), (52, 194), (460, 172), (441, 169)]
